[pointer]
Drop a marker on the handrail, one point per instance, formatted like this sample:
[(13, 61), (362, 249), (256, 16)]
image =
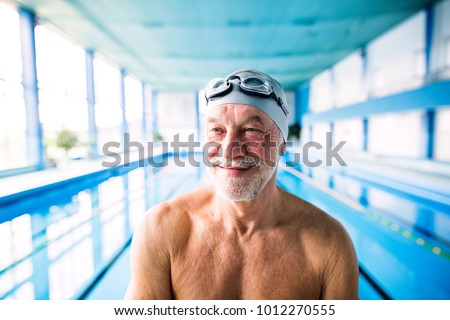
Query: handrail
[(95, 212), (106, 173), (42, 246)]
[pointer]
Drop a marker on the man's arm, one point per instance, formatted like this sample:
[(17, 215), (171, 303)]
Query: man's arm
[(341, 272), (150, 258)]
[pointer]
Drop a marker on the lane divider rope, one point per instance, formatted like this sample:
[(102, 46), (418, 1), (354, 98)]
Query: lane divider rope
[(372, 214)]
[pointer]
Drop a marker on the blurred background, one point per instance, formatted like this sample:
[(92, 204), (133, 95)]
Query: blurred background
[(77, 74)]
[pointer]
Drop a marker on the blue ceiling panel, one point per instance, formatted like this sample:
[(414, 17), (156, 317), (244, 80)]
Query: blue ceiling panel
[(179, 45)]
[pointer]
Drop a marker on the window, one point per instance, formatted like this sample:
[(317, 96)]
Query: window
[(442, 134), (61, 69), (148, 136), (396, 59), (349, 80), (440, 58), (108, 112), (321, 92), (133, 108), (447, 52), (177, 114), (350, 131), (396, 134), (13, 140)]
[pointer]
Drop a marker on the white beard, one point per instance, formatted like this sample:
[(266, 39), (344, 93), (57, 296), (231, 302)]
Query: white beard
[(242, 188)]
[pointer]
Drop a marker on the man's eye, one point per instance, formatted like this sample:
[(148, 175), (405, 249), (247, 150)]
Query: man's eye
[(252, 130), (216, 130)]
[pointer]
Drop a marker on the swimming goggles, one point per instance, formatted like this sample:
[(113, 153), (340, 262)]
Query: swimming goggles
[(248, 83)]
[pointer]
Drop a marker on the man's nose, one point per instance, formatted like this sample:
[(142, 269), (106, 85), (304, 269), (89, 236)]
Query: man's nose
[(232, 147)]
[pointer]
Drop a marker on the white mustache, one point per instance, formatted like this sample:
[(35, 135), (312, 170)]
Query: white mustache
[(246, 162)]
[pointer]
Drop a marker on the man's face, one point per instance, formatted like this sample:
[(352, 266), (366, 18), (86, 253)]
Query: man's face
[(246, 150)]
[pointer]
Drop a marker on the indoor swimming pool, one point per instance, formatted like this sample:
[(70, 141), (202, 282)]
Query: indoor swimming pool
[(55, 250), (72, 241)]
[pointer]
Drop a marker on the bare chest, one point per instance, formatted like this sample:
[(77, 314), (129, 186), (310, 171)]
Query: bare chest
[(269, 268)]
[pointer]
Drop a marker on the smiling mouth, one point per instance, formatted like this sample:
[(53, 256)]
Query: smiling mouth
[(236, 168)]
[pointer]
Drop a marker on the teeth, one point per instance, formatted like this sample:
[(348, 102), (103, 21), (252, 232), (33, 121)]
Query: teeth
[(240, 164)]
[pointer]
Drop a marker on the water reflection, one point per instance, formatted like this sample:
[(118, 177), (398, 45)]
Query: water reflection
[(53, 252), (410, 212)]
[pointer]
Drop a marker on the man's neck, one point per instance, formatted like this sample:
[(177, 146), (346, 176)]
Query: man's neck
[(247, 217)]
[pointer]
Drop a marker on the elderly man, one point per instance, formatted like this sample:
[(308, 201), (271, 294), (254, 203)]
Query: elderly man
[(243, 237)]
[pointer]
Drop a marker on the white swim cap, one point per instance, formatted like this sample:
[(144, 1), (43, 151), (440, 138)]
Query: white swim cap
[(254, 88)]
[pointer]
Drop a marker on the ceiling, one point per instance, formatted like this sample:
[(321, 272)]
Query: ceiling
[(181, 44)]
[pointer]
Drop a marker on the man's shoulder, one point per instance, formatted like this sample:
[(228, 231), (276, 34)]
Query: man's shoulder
[(324, 236), (177, 211), (312, 220), (327, 245), (194, 200)]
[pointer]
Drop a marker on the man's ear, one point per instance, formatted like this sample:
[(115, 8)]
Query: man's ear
[(282, 148)]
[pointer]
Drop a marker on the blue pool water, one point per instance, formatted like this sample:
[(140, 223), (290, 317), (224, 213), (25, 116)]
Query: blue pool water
[(59, 248), (73, 243), (403, 254)]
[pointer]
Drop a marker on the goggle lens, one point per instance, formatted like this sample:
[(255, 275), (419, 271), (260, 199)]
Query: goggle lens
[(253, 81), (216, 87), (215, 83)]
